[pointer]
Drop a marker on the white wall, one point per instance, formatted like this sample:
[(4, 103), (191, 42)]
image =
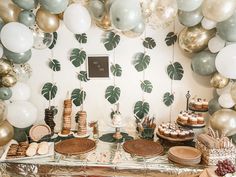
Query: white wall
[(97, 107)]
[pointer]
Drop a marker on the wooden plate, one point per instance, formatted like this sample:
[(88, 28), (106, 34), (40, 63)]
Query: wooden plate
[(143, 148), (189, 138), (39, 131), (189, 125), (75, 146), (185, 153)]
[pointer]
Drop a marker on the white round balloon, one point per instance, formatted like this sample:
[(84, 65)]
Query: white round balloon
[(21, 114), (1, 51), (215, 44), (20, 92), (226, 100), (208, 24), (226, 61), (189, 5), (77, 19), (16, 37)]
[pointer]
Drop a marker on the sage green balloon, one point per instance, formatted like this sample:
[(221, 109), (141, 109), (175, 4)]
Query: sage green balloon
[(125, 15), (26, 4), (54, 6), (227, 29), (213, 106), (5, 93), (190, 18), (18, 58), (27, 18), (203, 63), (97, 9), (1, 24), (188, 5)]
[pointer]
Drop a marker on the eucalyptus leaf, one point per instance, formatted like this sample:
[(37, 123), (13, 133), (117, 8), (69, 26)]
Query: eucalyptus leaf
[(149, 43), (141, 109), (83, 76), (77, 57), (116, 70), (54, 65), (175, 71), (168, 98), (141, 61), (78, 96), (81, 38), (49, 91), (111, 40), (146, 86), (171, 38), (54, 40), (112, 94)]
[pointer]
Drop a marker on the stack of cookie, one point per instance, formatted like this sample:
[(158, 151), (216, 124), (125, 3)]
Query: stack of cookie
[(67, 117), (49, 116), (81, 116)]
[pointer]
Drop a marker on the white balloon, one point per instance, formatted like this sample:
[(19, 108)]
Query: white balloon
[(21, 114), (16, 37), (226, 89), (20, 92), (215, 44), (1, 51), (77, 19), (226, 100), (189, 5), (226, 61), (208, 24)]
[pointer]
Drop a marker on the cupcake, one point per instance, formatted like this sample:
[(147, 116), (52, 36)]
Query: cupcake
[(186, 133), (173, 134), (200, 119), (182, 134), (193, 120), (191, 133), (184, 118), (192, 102), (167, 133), (198, 104), (161, 130), (204, 104)]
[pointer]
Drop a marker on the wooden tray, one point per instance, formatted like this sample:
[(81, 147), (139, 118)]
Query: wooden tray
[(192, 126), (143, 148), (75, 146), (189, 138), (39, 131)]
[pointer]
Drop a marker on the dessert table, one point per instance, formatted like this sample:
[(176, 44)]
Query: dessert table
[(101, 162)]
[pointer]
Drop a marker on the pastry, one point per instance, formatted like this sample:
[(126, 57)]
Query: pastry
[(31, 151), (82, 123), (174, 134), (204, 104), (167, 133), (193, 120), (200, 119), (43, 148), (198, 104)]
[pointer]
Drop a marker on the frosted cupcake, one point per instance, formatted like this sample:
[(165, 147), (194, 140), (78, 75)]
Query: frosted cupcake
[(173, 134), (193, 120), (204, 104), (182, 134), (198, 104), (200, 119), (184, 118), (167, 133)]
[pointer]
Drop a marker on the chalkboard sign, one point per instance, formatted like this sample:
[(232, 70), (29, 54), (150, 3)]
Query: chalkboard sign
[(98, 66)]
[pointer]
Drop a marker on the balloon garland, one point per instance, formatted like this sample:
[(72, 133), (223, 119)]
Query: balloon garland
[(33, 23)]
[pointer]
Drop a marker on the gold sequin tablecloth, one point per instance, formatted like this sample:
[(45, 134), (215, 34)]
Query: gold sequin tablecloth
[(102, 162)]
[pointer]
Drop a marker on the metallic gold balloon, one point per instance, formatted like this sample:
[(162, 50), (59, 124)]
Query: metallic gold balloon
[(47, 22), (224, 121), (105, 23), (195, 39), (6, 132), (233, 91), (5, 67), (3, 109), (9, 80), (9, 11), (219, 81)]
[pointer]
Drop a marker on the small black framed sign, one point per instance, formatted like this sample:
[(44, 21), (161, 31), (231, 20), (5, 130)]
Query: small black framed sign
[(98, 67)]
